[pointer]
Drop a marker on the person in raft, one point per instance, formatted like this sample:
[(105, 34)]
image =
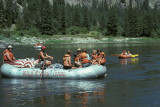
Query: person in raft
[(85, 59), (129, 53), (42, 56), (77, 59), (8, 55), (67, 61), (101, 57), (94, 57), (124, 52)]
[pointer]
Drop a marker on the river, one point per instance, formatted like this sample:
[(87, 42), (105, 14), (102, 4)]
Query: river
[(129, 83)]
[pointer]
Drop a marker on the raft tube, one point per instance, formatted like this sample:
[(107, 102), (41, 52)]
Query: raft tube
[(93, 71), (123, 56)]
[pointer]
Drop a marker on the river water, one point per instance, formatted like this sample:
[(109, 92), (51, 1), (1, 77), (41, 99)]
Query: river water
[(133, 82)]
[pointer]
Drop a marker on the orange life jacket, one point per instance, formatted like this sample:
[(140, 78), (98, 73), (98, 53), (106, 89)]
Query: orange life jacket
[(10, 55), (77, 58), (94, 56), (102, 55), (103, 61), (84, 58)]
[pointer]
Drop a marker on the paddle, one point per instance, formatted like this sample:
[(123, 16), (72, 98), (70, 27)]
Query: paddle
[(43, 67)]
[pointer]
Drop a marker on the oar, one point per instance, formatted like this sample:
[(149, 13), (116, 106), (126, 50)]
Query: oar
[(43, 67)]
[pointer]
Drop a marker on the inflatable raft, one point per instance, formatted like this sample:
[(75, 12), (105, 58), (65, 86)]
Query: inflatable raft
[(37, 47), (94, 71), (124, 56)]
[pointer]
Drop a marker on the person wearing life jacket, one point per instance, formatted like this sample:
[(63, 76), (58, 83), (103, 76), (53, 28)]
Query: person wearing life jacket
[(8, 55), (94, 57), (85, 59), (124, 52), (77, 58), (42, 56), (129, 53), (67, 61), (101, 57)]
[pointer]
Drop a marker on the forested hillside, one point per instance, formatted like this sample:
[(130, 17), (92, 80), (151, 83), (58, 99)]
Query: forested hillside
[(57, 17)]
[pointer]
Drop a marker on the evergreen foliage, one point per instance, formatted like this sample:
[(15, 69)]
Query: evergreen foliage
[(1, 13), (41, 17)]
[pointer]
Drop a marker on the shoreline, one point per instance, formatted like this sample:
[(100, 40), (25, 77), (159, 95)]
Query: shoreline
[(73, 40)]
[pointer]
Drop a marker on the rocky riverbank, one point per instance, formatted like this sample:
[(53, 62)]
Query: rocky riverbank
[(69, 40)]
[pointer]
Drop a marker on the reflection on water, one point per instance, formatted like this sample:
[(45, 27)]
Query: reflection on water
[(25, 91), (83, 98), (129, 61), (130, 82)]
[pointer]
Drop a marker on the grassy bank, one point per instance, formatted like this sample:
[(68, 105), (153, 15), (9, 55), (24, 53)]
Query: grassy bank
[(92, 37)]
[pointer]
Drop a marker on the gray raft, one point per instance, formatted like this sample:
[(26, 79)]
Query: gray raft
[(94, 71)]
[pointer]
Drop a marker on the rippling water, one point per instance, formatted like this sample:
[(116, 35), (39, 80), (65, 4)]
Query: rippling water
[(129, 83)]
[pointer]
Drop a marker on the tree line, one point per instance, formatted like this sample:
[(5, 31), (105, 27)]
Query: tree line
[(41, 17)]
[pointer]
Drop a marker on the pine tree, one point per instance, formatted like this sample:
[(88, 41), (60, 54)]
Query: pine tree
[(86, 21), (26, 18), (9, 13), (46, 24), (112, 22), (1, 13), (146, 4), (69, 15), (20, 22), (77, 17), (56, 16), (148, 26), (94, 16)]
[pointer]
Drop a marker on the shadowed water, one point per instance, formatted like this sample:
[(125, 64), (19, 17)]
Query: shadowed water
[(129, 83)]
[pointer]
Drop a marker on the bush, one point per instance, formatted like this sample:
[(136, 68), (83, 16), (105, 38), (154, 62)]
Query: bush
[(84, 30), (120, 31), (34, 32), (6, 33), (16, 38), (105, 32), (95, 34), (2, 37), (21, 32), (156, 34), (94, 28), (76, 30)]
